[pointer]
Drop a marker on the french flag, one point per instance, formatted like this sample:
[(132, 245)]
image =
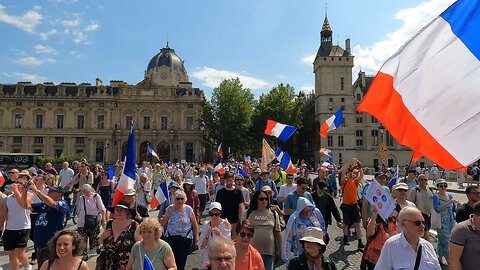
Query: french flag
[(326, 152), (151, 152), (427, 94), (220, 151), (160, 196), (127, 178), (279, 130), (393, 180), (218, 167), (242, 172), (147, 264), (248, 161), (326, 164), (279, 154), (332, 123)]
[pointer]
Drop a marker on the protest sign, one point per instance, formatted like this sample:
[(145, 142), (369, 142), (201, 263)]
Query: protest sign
[(380, 199)]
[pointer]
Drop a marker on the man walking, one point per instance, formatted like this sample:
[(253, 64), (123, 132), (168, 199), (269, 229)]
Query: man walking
[(422, 197), (466, 209), (232, 203)]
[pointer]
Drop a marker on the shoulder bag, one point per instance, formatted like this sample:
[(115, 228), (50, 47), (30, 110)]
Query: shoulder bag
[(91, 221)]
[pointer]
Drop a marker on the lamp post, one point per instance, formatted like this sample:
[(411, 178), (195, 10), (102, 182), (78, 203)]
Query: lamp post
[(382, 153), (382, 130), (202, 150)]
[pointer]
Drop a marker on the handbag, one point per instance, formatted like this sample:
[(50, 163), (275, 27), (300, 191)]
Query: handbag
[(91, 221), (435, 219)]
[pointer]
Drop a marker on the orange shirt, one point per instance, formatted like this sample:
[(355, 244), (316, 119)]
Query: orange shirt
[(350, 191)]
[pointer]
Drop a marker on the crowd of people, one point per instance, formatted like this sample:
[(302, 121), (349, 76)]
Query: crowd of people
[(256, 218)]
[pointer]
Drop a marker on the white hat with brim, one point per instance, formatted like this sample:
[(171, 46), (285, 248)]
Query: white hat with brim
[(215, 205), (313, 235)]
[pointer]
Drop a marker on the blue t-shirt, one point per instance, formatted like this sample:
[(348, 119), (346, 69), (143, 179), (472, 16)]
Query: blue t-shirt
[(292, 199), (50, 220)]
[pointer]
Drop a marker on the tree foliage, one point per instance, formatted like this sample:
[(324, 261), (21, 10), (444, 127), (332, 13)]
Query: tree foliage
[(62, 158), (281, 105), (229, 115)]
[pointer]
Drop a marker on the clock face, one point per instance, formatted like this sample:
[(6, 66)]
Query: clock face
[(164, 76)]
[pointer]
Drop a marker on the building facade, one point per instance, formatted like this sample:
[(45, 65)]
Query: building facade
[(361, 134), (68, 119)]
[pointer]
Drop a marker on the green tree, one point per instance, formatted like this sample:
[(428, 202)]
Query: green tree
[(229, 115), (281, 105)]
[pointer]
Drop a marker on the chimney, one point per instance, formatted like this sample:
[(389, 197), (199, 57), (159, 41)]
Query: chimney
[(98, 82), (347, 45)]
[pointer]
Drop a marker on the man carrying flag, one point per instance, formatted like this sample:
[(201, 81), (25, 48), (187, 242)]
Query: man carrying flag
[(127, 177)]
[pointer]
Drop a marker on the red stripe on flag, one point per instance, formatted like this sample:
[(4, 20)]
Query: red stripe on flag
[(324, 130), (270, 125), (386, 104), (118, 196)]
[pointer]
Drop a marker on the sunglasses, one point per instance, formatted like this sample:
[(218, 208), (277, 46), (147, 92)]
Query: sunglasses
[(263, 199), (402, 190), (417, 222), (244, 234), (442, 186), (214, 214), (180, 199), (422, 179), (12, 172), (238, 179)]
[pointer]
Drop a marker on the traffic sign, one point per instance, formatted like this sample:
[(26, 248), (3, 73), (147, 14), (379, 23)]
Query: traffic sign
[(382, 148)]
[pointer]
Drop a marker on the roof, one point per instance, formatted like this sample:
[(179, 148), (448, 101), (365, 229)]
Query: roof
[(166, 57), (329, 50)]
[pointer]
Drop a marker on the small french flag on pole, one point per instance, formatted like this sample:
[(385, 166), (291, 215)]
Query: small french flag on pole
[(279, 130), (332, 123), (151, 152)]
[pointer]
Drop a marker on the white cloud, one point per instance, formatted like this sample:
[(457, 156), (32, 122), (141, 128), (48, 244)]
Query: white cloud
[(308, 59), (92, 27), (71, 23), (20, 76), (370, 58), (213, 77), (44, 49), (46, 35), (32, 61), (26, 22), (307, 88), (79, 36)]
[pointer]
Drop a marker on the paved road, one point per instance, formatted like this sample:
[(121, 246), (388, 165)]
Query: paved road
[(345, 257)]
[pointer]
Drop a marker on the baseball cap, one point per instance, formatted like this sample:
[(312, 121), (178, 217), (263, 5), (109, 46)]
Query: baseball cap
[(401, 186), (215, 205), (58, 189)]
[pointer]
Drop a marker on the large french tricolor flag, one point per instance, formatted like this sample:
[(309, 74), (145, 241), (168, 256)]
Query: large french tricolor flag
[(127, 178), (427, 94), (279, 130), (331, 123)]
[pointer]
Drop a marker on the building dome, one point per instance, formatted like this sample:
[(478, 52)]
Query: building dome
[(168, 58)]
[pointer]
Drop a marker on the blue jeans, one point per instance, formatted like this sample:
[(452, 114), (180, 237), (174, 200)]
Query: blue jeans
[(268, 261)]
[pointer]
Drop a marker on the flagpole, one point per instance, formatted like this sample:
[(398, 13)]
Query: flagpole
[(409, 163)]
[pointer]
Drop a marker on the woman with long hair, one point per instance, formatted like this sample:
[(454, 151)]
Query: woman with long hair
[(192, 196), (105, 189), (267, 224), (158, 252), (66, 248), (143, 187)]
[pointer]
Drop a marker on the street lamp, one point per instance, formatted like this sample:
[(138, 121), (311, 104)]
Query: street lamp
[(202, 151), (382, 130)]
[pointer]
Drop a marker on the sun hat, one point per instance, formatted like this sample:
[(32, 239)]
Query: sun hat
[(24, 173), (215, 205), (267, 189), (440, 181), (313, 235), (123, 205)]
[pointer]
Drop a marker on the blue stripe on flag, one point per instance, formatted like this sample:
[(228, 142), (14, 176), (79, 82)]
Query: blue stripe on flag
[(111, 172), (278, 152), (464, 18), (286, 133), (285, 160), (338, 118), (129, 167), (242, 172)]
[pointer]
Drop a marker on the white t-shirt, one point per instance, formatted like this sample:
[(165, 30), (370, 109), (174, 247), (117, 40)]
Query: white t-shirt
[(200, 184), (285, 190), (65, 176)]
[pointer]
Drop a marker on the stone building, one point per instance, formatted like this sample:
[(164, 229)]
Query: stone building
[(361, 134), (67, 118)]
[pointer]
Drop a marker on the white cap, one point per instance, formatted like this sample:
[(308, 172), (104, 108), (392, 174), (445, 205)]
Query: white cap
[(215, 205)]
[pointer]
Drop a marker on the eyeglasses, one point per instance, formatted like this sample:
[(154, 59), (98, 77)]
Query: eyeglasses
[(214, 214), (239, 179), (11, 172), (262, 199), (180, 199), (244, 234), (417, 222), (442, 186), (221, 259)]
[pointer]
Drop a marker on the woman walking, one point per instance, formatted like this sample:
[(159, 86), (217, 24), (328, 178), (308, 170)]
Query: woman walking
[(215, 227), (444, 204), (105, 189), (68, 248)]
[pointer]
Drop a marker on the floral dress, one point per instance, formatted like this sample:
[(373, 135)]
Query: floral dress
[(118, 250), (448, 221)]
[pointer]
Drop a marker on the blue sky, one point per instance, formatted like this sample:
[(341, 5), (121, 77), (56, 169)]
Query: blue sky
[(264, 42)]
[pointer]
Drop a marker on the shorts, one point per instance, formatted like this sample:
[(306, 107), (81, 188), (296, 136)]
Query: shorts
[(13, 239), (428, 221), (351, 214)]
